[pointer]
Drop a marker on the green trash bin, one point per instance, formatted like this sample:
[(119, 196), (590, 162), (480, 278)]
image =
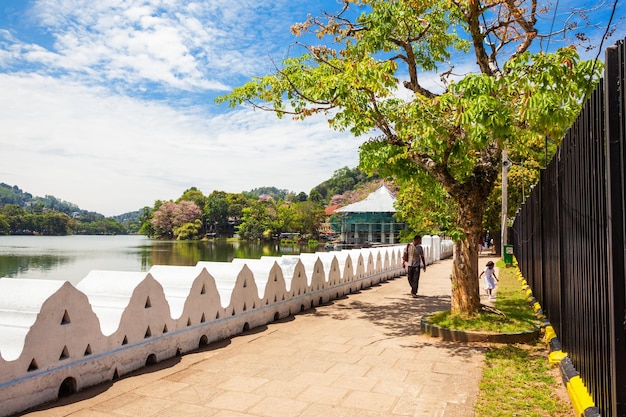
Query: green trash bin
[(508, 255)]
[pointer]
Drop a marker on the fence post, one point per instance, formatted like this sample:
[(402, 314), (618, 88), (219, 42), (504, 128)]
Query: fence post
[(615, 165)]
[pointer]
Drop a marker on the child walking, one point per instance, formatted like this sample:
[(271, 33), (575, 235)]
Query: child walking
[(490, 278)]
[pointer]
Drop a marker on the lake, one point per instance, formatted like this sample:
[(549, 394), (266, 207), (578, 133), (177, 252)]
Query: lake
[(71, 258)]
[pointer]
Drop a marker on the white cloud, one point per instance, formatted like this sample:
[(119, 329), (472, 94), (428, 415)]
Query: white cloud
[(114, 154), (97, 89), (185, 45)]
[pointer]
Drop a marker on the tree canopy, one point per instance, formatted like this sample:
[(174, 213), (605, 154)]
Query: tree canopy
[(369, 77), (22, 213)]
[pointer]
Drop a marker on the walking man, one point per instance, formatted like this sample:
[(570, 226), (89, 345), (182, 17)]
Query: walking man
[(415, 260)]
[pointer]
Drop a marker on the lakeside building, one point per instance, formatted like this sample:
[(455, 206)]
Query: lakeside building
[(370, 220)]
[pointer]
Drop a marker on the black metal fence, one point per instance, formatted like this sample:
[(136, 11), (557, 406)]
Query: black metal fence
[(569, 240)]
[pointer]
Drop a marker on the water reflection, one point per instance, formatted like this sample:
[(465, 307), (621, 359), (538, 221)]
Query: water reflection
[(216, 250), (13, 265), (72, 257)]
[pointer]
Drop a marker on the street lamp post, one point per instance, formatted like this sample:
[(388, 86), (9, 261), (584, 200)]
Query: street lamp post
[(506, 164)]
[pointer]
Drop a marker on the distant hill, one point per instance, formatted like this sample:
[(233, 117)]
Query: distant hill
[(131, 220), (14, 195), (344, 180), (23, 213), (273, 192)]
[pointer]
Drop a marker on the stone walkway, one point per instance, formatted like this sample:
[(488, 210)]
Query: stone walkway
[(362, 355)]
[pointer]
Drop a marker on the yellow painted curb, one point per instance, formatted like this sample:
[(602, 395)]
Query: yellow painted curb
[(555, 357), (550, 333), (579, 395)]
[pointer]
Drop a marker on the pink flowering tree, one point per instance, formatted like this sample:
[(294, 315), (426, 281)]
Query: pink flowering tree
[(171, 216)]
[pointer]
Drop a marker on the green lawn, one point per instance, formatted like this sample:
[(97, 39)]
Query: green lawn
[(510, 300), (517, 379)]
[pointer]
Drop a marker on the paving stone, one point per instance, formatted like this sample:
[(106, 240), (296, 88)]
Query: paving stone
[(242, 383), (323, 395), (144, 407), (348, 369), (235, 401), (315, 378), (117, 402), (90, 413), (187, 410), (160, 388), (370, 401), (279, 407)]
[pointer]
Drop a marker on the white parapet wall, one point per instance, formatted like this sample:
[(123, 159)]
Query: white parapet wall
[(56, 339)]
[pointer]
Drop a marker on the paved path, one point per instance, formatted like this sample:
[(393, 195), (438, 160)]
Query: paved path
[(362, 355)]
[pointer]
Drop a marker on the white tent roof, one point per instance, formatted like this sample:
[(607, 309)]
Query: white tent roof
[(380, 201)]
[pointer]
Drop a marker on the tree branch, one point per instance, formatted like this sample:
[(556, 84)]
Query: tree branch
[(300, 94), (530, 31), (439, 171), (409, 59), (293, 113), (472, 14)]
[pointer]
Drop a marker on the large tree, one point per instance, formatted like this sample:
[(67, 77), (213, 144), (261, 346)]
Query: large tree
[(168, 219), (369, 78)]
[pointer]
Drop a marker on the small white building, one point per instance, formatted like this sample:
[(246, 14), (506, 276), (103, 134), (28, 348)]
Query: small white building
[(370, 220)]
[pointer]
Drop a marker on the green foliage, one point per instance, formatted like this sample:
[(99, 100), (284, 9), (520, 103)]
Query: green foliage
[(517, 381), (522, 176), (21, 213), (13, 195), (146, 226), (267, 219), (19, 221), (221, 212), (272, 192), (4, 225), (426, 208), (94, 225), (194, 195), (236, 204), (189, 231), (343, 179), (511, 301), (307, 217), (216, 213), (132, 221), (255, 221)]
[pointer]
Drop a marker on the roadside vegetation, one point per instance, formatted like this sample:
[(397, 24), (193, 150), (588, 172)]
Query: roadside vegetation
[(516, 316), (518, 381), (517, 378)]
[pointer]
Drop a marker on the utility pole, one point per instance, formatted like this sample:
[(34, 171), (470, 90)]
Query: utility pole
[(506, 164)]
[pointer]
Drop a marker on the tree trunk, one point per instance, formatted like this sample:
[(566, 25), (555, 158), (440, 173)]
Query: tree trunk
[(465, 282)]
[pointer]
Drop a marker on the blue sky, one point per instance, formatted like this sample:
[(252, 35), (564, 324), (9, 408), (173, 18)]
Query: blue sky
[(109, 104)]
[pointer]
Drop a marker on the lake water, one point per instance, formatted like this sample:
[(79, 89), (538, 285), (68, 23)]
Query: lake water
[(71, 258)]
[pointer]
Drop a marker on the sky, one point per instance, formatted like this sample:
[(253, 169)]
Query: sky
[(109, 104)]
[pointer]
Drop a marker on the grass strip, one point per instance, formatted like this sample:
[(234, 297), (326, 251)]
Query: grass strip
[(518, 316), (518, 381)]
